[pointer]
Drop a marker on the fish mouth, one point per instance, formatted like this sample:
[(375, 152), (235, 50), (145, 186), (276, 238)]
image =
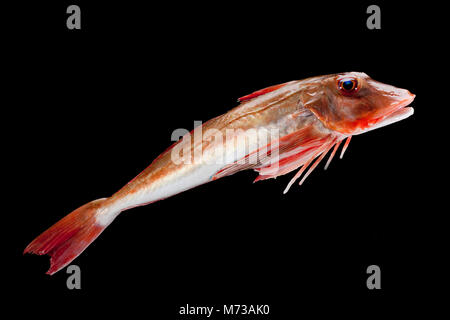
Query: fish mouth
[(399, 111)]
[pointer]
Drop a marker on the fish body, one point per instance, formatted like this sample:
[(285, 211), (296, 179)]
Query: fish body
[(272, 131), (249, 124)]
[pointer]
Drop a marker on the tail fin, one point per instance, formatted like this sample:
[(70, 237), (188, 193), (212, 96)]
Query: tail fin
[(67, 239)]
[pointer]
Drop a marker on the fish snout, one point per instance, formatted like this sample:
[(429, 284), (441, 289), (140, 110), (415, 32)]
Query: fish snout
[(403, 98), (388, 98)]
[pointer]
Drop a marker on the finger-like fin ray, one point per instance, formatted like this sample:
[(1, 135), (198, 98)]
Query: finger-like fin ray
[(336, 146), (311, 169), (303, 168), (347, 142)]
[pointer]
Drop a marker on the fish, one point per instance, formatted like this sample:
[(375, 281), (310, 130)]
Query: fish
[(272, 131)]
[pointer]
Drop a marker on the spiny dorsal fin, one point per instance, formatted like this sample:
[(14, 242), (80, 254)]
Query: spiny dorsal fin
[(261, 92)]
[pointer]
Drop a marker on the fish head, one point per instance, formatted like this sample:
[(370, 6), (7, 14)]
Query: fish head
[(353, 103)]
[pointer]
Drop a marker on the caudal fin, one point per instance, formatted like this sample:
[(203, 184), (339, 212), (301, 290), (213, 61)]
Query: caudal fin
[(67, 239)]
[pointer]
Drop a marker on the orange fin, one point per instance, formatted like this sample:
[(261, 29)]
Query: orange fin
[(304, 157), (294, 151), (248, 162), (68, 238), (286, 165), (280, 156), (261, 92)]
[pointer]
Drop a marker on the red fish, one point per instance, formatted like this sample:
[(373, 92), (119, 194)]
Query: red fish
[(273, 131)]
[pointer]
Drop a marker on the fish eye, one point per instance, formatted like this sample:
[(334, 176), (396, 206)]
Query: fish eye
[(348, 85)]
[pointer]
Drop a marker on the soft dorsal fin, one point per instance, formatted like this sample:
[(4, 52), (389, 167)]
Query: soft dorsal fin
[(260, 92)]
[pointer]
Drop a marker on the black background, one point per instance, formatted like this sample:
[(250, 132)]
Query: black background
[(93, 107)]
